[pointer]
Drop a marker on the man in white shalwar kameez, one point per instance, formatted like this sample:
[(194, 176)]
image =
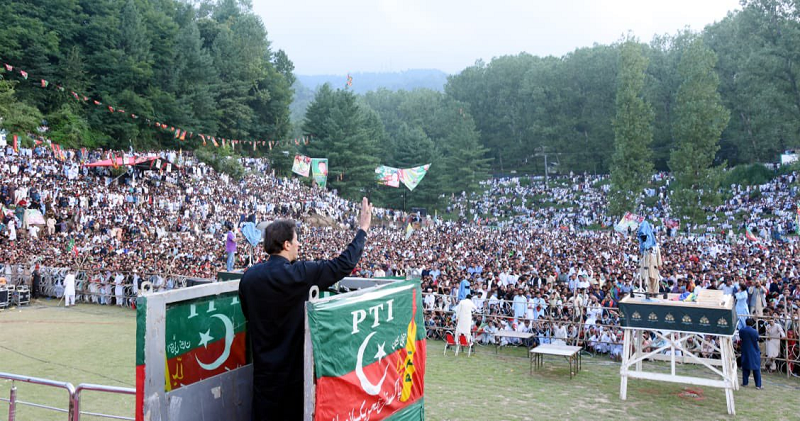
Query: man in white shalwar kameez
[(464, 311), (69, 288)]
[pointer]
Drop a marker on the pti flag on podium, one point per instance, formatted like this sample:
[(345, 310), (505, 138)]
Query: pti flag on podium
[(369, 354), (412, 176)]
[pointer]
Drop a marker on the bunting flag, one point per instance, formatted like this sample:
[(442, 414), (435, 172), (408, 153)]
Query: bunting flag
[(411, 177), (179, 132), (204, 139), (349, 80), (214, 141), (301, 165), (369, 354), (16, 143), (388, 176), (270, 145)]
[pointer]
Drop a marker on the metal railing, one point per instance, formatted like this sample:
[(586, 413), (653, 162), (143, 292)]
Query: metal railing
[(73, 412)]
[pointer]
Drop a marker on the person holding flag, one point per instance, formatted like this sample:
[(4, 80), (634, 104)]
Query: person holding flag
[(272, 295)]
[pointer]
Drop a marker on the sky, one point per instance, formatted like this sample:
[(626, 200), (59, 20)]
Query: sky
[(339, 37)]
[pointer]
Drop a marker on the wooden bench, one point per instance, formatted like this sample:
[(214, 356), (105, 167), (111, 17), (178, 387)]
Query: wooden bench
[(571, 353)]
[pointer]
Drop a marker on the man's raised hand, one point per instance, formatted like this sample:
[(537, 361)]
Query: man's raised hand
[(365, 218)]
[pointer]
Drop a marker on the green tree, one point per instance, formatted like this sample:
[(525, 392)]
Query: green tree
[(343, 132), (700, 119), (631, 165), (17, 117)]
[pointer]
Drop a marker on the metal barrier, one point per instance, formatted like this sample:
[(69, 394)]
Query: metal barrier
[(76, 406), (73, 412), (12, 401)]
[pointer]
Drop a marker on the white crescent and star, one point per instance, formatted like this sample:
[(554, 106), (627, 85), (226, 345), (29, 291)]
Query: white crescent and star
[(369, 388), (206, 337)]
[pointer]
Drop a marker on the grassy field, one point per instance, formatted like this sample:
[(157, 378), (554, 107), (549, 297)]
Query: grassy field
[(94, 344)]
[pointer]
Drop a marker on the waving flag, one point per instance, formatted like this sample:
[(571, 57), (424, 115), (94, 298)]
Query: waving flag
[(750, 237), (369, 354), (411, 177)]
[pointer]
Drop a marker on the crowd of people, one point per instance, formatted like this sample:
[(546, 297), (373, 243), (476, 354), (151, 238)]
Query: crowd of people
[(531, 257)]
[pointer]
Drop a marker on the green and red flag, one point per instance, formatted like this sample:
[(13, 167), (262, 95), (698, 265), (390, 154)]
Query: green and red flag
[(24, 74), (44, 83), (750, 237), (369, 354)]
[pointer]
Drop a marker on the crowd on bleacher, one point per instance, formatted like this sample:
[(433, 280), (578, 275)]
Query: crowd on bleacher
[(533, 258)]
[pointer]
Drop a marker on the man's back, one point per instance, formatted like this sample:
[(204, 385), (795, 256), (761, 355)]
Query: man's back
[(272, 296)]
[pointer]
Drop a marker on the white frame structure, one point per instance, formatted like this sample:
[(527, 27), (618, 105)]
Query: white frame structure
[(723, 368)]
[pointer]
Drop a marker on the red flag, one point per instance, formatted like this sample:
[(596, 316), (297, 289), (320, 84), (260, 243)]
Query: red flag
[(45, 83), (24, 74), (214, 141), (75, 94), (16, 144), (183, 135), (110, 109), (9, 67), (96, 102), (204, 139), (177, 133)]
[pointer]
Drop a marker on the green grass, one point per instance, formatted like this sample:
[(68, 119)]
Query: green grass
[(94, 344)]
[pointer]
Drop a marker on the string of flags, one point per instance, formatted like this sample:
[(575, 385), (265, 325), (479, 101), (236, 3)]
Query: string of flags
[(179, 133)]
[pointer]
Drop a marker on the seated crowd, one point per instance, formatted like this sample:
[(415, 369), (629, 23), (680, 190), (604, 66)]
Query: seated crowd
[(519, 249)]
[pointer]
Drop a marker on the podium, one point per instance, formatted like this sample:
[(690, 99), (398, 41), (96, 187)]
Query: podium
[(711, 322)]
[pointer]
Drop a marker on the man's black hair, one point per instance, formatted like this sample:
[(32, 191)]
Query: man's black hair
[(276, 234), (750, 322)]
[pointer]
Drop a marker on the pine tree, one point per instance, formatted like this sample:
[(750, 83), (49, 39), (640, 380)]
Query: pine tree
[(343, 132), (631, 165), (700, 120)]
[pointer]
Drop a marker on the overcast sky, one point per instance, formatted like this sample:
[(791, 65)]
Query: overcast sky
[(337, 37)]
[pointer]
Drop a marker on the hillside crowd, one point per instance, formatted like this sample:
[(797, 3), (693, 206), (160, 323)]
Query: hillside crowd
[(521, 251)]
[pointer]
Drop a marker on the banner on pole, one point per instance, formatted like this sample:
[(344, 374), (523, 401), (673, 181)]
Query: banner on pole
[(319, 170), (388, 176), (301, 165), (411, 177)]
